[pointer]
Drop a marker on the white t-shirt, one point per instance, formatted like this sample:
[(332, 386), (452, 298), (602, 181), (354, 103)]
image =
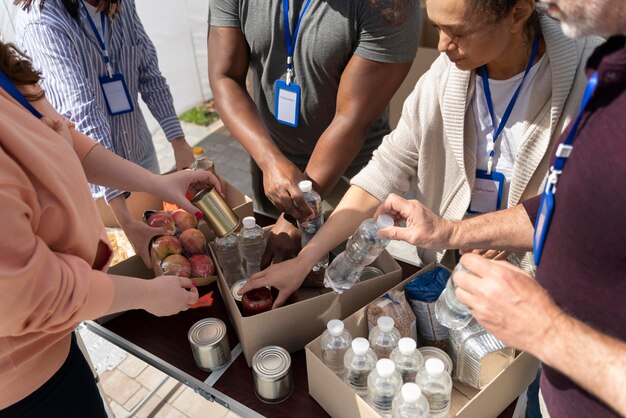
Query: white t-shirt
[(95, 16), (510, 140)]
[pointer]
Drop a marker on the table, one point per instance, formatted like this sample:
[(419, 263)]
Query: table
[(162, 342)]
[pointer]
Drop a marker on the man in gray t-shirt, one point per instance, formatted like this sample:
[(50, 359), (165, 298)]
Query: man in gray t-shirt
[(349, 59)]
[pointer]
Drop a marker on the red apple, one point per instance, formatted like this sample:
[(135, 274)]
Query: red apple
[(162, 218), (201, 265), (184, 220), (176, 265), (193, 241), (166, 245)]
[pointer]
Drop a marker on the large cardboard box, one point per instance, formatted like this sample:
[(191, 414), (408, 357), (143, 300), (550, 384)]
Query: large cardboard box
[(339, 401), (292, 326)]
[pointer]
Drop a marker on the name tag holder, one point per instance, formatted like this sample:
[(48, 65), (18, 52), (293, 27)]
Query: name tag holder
[(487, 192), (116, 94)]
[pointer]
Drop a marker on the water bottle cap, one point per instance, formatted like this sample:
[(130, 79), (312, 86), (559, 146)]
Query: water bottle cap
[(249, 222), (407, 346), (305, 186), (385, 323), (385, 367), (198, 151), (360, 346), (434, 366), (335, 327), (384, 221), (411, 392)]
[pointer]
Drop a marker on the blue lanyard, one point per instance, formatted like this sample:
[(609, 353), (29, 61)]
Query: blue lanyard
[(10, 88), (499, 128), (105, 54), (290, 41)]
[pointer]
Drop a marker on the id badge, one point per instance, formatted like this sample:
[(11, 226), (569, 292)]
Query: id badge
[(487, 192), (287, 103), (543, 223), (116, 94)]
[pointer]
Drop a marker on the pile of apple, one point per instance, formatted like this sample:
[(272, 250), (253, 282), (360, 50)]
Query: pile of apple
[(183, 252)]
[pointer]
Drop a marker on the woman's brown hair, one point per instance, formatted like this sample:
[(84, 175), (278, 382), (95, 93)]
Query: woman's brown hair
[(73, 6), (16, 66)]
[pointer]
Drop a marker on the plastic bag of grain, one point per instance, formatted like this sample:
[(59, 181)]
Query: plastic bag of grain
[(394, 305)]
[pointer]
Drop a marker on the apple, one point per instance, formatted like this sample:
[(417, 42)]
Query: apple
[(162, 218), (176, 265), (166, 245), (201, 265), (184, 220), (193, 241)]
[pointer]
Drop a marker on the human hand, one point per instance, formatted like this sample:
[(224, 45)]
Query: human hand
[(140, 235), (423, 228), (173, 187), (183, 153), (60, 125), (280, 182), (286, 277), (489, 254), (507, 301), (169, 295), (283, 243)]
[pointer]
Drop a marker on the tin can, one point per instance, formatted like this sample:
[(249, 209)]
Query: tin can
[(235, 288), (209, 344), (220, 218), (271, 369)]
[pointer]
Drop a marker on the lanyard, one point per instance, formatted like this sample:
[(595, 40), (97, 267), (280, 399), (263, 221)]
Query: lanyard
[(10, 88), (290, 41), (105, 54), (505, 117)]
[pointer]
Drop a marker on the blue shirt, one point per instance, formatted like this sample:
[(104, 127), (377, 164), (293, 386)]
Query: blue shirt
[(67, 53)]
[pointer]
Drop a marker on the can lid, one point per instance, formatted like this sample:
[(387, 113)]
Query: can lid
[(411, 392), (370, 272), (385, 367), (305, 186), (429, 352), (271, 362), (207, 332), (407, 346), (335, 327), (385, 323), (360, 346), (434, 366), (384, 221), (235, 288), (249, 222)]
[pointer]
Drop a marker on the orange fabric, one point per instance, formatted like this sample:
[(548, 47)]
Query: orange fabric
[(49, 237)]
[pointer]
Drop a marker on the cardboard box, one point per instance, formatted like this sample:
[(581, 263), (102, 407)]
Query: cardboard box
[(139, 202), (294, 325), (339, 401)]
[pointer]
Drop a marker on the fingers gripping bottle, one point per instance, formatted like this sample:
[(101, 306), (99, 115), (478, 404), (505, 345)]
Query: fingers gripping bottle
[(436, 385), (335, 343), (362, 248), (383, 384), (408, 359), (384, 337), (410, 403), (252, 245), (358, 363), (310, 227)]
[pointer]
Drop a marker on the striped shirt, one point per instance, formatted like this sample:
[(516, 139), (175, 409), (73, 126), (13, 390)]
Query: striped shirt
[(67, 53)]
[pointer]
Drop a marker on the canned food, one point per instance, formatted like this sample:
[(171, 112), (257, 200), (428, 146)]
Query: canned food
[(209, 344), (235, 288), (370, 272), (220, 218), (434, 352), (271, 369)]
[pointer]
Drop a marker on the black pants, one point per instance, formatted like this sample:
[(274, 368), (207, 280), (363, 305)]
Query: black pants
[(70, 393)]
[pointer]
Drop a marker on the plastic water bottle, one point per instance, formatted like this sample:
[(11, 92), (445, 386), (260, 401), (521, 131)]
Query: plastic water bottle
[(384, 337), (201, 161), (383, 384), (358, 363), (252, 245), (362, 248), (310, 227), (449, 311), (229, 258), (408, 359), (410, 403), (335, 343), (436, 385)]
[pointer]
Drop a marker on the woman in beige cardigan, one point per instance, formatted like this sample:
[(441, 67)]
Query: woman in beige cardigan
[(443, 136)]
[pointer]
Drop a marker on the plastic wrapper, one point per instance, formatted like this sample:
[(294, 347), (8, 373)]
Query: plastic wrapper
[(122, 248), (394, 305)]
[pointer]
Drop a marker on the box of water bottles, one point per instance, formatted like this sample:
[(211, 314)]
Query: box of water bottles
[(343, 396)]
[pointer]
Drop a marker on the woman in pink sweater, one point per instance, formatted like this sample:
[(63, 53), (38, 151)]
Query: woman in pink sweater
[(54, 251)]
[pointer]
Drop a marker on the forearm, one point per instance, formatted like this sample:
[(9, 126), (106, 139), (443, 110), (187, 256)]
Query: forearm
[(593, 360), (356, 206), (507, 230), (129, 293), (335, 150)]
